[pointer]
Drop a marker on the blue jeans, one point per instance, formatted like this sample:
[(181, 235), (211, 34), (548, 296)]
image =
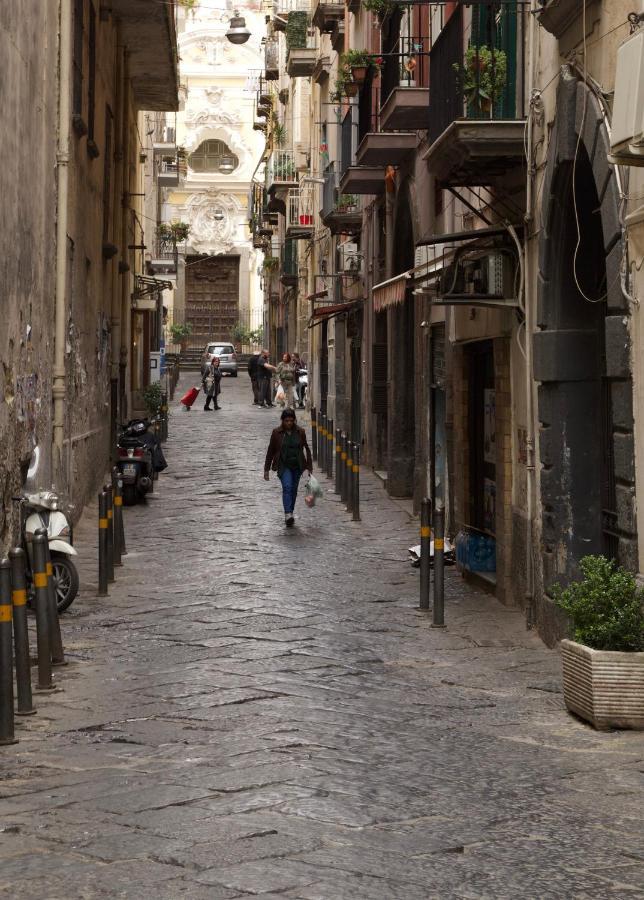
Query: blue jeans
[(290, 479)]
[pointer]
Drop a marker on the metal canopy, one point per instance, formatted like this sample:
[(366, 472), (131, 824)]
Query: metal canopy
[(471, 235)]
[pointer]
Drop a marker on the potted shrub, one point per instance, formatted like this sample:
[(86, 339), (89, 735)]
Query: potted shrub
[(603, 667), (357, 62), (180, 334), (483, 77), (270, 263), (346, 203)]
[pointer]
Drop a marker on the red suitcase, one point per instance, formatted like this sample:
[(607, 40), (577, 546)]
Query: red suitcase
[(189, 398)]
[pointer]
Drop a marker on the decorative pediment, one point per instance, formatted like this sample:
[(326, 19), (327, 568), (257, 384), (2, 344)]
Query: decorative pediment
[(214, 219)]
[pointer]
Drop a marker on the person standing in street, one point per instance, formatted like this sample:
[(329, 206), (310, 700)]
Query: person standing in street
[(253, 363), (286, 375), (289, 455), (299, 366), (212, 383), (264, 373)]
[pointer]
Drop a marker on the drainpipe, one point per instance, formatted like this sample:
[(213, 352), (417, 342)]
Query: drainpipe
[(62, 173), (528, 283)]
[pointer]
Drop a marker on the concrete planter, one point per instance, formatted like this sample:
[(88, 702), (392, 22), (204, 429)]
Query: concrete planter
[(605, 687)]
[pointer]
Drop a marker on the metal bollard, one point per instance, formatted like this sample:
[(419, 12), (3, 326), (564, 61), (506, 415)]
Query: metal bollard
[(55, 637), (164, 414), (439, 568), (337, 452), (425, 551), (329, 449), (107, 490), (349, 468), (343, 466), (356, 483), (322, 442), (117, 515), (7, 734), (102, 545), (41, 585), (314, 433), (20, 632)]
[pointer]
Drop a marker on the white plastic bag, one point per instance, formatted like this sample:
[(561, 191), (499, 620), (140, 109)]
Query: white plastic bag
[(280, 396)]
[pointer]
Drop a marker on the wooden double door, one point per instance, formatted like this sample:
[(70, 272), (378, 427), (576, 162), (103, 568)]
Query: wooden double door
[(212, 298)]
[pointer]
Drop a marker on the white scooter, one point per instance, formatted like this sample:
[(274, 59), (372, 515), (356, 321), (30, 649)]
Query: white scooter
[(44, 509)]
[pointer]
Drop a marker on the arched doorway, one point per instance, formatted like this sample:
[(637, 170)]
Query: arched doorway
[(585, 431), (402, 360)]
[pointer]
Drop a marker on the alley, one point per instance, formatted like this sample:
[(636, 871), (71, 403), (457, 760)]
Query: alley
[(255, 711)]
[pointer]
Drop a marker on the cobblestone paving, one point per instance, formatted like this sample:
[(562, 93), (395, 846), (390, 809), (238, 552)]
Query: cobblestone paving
[(256, 711)]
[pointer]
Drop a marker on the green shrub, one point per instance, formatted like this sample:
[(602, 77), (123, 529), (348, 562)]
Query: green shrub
[(606, 608), (179, 332), (152, 398)]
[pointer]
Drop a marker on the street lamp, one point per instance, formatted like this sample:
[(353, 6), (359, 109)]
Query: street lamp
[(237, 32), (218, 215), (227, 164)]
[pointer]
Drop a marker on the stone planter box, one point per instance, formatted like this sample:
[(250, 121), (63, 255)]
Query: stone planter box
[(605, 687)]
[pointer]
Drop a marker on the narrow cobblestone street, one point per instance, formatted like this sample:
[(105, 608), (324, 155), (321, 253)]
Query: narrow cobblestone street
[(262, 711)]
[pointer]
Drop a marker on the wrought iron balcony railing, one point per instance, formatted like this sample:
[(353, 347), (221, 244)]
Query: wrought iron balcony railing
[(280, 169)]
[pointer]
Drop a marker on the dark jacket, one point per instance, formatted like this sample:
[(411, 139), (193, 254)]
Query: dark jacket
[(275, 449), (253, 362), (215, 373)]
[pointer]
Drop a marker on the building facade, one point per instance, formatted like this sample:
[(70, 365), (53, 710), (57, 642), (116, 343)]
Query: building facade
[(467, 268)]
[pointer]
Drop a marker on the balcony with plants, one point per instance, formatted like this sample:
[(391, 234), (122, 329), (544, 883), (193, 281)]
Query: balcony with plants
[(476, 97), (340, 213), (375, 146), (282, 9), (404, 80), (327, 14), (301, 49)]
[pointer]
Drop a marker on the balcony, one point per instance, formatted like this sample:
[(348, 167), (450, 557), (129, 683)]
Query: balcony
[(340, 212), (377, 147), (165, 255), (168, 174), (165, 144), (300, 213), (477, 117), (300, 62), (271, 59), (337, 36), (284, 7), (326, 14), (357, 179), (556, 16), (280, 170)]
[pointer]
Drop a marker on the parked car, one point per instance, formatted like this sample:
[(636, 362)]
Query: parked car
[(226, 354)]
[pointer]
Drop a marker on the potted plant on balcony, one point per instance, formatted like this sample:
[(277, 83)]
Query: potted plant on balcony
[(346, 203), (483, 77), (603, 667), (179, 231), (356, 62), (180, 334), (270, 263)]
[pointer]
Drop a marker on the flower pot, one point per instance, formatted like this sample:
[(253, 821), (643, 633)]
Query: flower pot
[(359, 74), (183, 343), (306, 219), (350, 88), (604, 687)]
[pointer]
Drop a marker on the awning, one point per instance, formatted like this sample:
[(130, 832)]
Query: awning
[(324, 313), (390, 292), (318, 295)]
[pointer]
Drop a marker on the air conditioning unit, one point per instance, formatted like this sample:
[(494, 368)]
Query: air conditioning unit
[(349, 259), (488, 279), (627, 127)]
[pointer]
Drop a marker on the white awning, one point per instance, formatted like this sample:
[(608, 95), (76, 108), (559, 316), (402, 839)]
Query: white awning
[(390, 292)]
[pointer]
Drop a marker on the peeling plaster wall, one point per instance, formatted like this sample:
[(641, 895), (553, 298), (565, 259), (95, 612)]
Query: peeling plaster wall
[(28, 108)]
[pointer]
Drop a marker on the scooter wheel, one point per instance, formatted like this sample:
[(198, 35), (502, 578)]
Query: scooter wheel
[(130, 495), (66, 581)]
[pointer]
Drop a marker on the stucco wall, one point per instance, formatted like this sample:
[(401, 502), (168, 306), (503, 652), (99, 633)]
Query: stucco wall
[(28, 106)]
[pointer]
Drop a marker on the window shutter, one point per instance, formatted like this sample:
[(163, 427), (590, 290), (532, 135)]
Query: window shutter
[(379, 384)]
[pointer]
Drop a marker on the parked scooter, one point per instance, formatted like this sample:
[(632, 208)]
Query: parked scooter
[(140, 459), (45, 509)]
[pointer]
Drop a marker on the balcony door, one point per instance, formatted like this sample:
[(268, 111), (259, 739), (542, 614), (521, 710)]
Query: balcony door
[(494, 25)]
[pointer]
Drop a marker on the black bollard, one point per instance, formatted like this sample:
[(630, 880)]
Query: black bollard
[(322, 442), (355, 508), (337, 452), (102, 545), (55, 637), (20, 632), (164, 414), (349, 467), (7, 734), (329, 449), (343, 467), (107, 490), (439, 568), (425, 551), (314, 433), (117, 514), (41, 585)]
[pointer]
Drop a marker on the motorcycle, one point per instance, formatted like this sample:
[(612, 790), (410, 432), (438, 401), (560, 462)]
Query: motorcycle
[(140, 459), (46, 509)]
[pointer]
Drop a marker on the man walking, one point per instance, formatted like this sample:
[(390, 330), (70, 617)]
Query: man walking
[(299, 393), (289, 455), (264, 373), (253, 363)]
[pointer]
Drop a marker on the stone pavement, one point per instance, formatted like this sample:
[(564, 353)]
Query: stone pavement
[(256, 711)]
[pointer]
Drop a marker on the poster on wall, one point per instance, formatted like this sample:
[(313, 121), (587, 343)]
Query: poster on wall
[(489, 505), (489, 426)]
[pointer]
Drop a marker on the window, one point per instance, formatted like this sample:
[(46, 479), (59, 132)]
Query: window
[(213, 156)]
